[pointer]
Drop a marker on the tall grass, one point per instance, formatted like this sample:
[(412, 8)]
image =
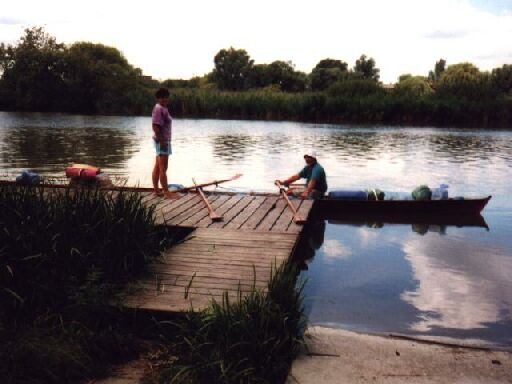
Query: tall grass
[(342, 106), (252, 339), (62, 255)]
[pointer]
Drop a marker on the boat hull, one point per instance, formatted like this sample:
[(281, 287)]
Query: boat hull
[(335, 207)]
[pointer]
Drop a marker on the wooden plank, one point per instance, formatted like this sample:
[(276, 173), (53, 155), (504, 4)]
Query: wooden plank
[(242, 275), (155, 303), (210, 267), (185, 277), (223, 269), (233, 212), (228, 251), (282, 224), (165, 290), (198, 208), (173, 204), (171, 214), (177, 203), (268, 206), (304, 210), (185, 281), (151, 199), (146, 196), (256, 243), (195, 219), (166, 202), (234, 259), (272, 217), (221, 210), (215, 233), (248, 211)]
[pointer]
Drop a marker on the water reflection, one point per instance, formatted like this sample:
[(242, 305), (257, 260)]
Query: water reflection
[(437, 279), (232, 148), (102, 147), (420, 224), (461, 285), (368, 274), (469, 147)]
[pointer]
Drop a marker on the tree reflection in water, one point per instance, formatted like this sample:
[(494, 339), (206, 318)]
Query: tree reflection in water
[(52, 149), (232, 148)]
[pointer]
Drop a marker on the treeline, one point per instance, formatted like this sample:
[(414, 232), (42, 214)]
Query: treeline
[(40, 74)]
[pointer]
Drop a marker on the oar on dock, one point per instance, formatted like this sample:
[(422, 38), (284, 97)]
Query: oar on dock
[(297, 217), (213, 215)]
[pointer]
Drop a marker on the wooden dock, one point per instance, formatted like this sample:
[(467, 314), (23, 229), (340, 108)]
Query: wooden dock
[(257, 232)]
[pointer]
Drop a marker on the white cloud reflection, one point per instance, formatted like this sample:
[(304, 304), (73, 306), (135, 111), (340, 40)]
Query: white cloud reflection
[(461, 284), (334, 250)]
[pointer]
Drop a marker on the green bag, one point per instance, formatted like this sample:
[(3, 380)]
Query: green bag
[(422, 192), (375, 194)]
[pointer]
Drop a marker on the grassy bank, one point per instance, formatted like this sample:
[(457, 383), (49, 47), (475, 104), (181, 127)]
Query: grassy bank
[(249, 339), (62, 255)]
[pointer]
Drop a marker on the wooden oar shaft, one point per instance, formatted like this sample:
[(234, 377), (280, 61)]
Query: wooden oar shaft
[(213, 215), (297, 217), (132, 189)]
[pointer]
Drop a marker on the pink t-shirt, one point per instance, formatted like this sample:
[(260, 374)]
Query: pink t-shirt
[(162, 117)]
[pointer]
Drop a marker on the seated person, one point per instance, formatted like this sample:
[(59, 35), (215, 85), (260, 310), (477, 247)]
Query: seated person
[(313, 172)]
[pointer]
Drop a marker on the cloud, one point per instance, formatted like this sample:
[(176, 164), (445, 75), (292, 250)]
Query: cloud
[(179, 39), (6, 20), (440, 34)]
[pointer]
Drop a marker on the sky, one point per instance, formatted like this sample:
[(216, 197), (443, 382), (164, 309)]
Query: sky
[(179, 39)]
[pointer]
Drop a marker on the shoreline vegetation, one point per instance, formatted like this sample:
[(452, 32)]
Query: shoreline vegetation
[(66, 261), (42, 75)]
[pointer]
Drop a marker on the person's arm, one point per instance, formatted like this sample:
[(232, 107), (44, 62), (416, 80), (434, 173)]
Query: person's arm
[(289, 180), (158, 134), (159, 137), (309, 189)]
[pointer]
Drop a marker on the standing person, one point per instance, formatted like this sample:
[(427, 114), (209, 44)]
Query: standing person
[(162, 134), (313, 172)]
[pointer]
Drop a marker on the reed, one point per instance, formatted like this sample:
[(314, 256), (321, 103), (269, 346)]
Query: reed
[(349, 102), (63, 255), (251, 339)]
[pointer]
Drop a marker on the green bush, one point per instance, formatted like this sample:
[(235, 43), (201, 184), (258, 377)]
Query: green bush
[(53, 241), (253, 339), (63, 256)]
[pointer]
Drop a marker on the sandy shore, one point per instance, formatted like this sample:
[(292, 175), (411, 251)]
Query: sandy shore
[(338, 356)]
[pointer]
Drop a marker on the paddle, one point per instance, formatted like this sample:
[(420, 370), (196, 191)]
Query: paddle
[(297, 217), (133, 189), (213, 215), (180, 190)]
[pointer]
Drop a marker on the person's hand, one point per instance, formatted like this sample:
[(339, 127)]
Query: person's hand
[(277, 182), (163, 145), (304, 195)]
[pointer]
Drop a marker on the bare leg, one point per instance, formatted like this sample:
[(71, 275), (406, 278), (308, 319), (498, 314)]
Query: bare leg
[(164, 163), (155, 176)]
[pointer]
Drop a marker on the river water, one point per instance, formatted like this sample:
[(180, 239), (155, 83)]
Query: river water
[(427, 280)]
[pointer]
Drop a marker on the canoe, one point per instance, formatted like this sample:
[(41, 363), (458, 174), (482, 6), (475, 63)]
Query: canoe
[(329, 207)]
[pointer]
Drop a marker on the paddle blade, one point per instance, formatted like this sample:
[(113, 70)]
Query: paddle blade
[(298, 219), (215, 217)]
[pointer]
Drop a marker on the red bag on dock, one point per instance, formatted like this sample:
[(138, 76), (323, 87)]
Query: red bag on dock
[(82, 171)]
